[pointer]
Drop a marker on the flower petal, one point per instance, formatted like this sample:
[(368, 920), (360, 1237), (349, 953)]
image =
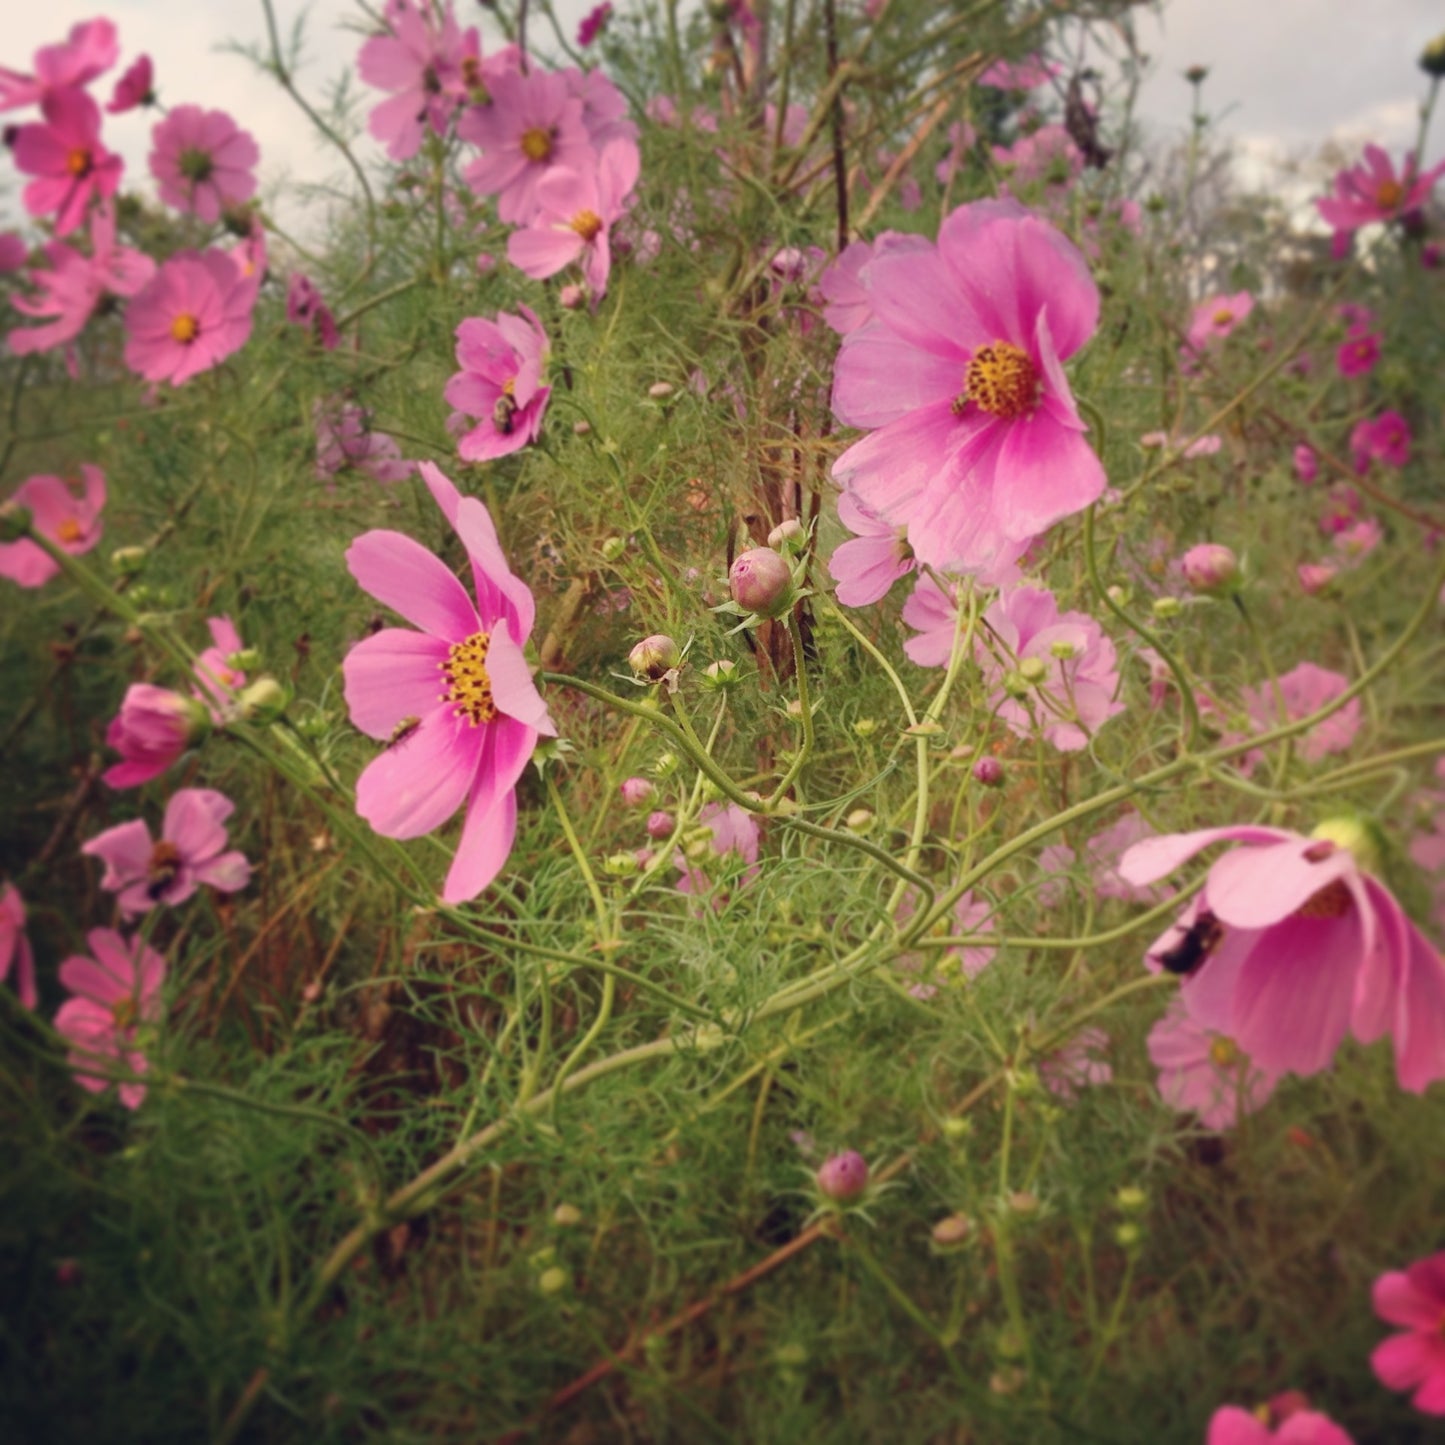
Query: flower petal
[(392, 675), (403, 575), (419, 781)]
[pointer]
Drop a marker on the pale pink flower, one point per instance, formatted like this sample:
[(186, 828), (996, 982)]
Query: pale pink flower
[(1306, 464), (605, 115), (500, 383), (203, 161), (454, 702), (1290, 945), (135, 88), (971, 915), (1414, 1360), (1215, 318), (74, 285), (1355, 542), (153, 728), (304, 307), (218, 681), (1358, 355), (1080, 1064), (344, 438), (1205, 1073), (1374, 191), (71, 522), (843, 283), (1048, 156), (872, 560), (15, 945), (534, 123), (65, 154), (1314, 577), (1026, 74), (1305, 689), (188, 853), (978, 446), (193, 314), (117, 992), (90, 50), (1231, 1425), (734, 840), (1203, 446), (575, 212)]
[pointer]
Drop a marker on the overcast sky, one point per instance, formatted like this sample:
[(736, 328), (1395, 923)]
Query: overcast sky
[(1284, 75)]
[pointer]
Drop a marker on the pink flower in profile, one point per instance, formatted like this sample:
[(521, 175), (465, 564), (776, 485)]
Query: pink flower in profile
[(153, 728), (575, 211), (1205, 1073), (344, 438), (1081, 1064), (65, 155), (1306, 464), (1374, 191), (1315, 577), (593, 23), (1413, 1298), (1385, 438), (500, 383), (429, 66), (217, 679), (978, 446), (1355, 542), (1358, 355), (117, 992), (189, 852), (534, 122), (90, 50), (734, 841), (74, 285), (1291, 944), (71, 522), (872, 560), (135, 88), (15, 945), (203, 161), (1303, 690), (1217, 317), (1231, 1425), (454, 703), (191, 316), (304, 307)]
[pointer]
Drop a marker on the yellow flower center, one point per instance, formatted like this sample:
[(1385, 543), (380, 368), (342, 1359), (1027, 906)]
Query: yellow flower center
[(185, 328), (78, 162), (126, 1013), (468, 684), (1389, 195), (68, 530), (587, 224), (1223, 1053), (537, 144), (1223, 317), (164, 864), (1002, 380)]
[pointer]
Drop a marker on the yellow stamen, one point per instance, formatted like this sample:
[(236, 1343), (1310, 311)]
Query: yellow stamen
[(1223, 317), (1001, 380), (1223, 1053), (587, 224), (78, 162), (68, 530), (126, 1013), (1389, 195), (185, 328), (537, 144), (468, 684)]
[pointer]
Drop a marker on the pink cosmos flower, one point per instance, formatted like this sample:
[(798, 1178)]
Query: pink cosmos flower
[(117, 993), (193, 314), (1303, 690), (1205, 1073), (962, 138), (454, 702), (1290, 945), (593, 23), (604, 107), (75, 285), (872, 560), (65, 155), (15, 946), (430, 68), (575, 211), (1048, 156), (734, 840), (71, 522), (151, 731), (217, 681), (978, 446), (135, 88), (14, 251), (971, 915), (500, 383), (1355, 542), (534, 122), (1231, 1425), (1358, 355), (843, 284), (1079, 1065), (1026, 74), (1315, 577), (1374, 191), (1306, 464), (203, 161), (1385, 438), (344, 438), (91, 49), (1204, 446), (187, 854), (304, 307), (1215, 318), (1415, 1360)]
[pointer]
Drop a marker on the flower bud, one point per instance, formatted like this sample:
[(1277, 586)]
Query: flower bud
[(1033, 669), (1306, 464), (566, 1216), (865, 727), (581, 428), (613, 548), (572, 298), (14, 522), (552, 1281), (1016, 685), (636, 791), (787, 536), (1355, 834), (128, 560), (619, 865), (952, 1230), (843, 1177), (860, 821), (1196, 74), (1023, 1202), (989, 772), (248, 659), (1128, 1236), (659, 390), (660, 825), (761, 581), (1119, 596), (721, 674), (1432, 58), (666, 765), (1130, 1199), (1315, 577), (654, 657), (263, 701), (1166, 608), (1062, 650), (1210, 569)]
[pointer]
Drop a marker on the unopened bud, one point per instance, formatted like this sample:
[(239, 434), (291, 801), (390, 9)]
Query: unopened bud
[(1432, 58), (1196, 74), (581, 428), (14, 522), (952, 1230), (263, 701), (787, 536), (552, 1281), (654, 657), (660, 825), (128, 560), (1210, 568), (860, 821), (1130, 1199), (666, 765), (1128, 1235), (761, 581), (619, 865), (1024, 1202), (989, 772), (1119, 596), (566, 1216), (1315, 577), (721, 674), (843, 1177), (1167, 607), (1355, 834), (865, 727), (613, 548), (659, 390), (636, 791), (248, 659), (572, 298)]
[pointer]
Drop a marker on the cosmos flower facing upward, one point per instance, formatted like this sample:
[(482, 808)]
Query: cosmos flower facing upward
[(203, 162), (191, 316), (454, 702), (71, 166), (71, 522), (1414, 1298), (977, 444)]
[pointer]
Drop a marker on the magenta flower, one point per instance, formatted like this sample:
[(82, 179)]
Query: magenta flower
[(429, 67), (1374, 191), (593, 23), (534, 123), (575, 211), (203, 161), (1290, 945), (734, 838), (1303, 690), (192, 315), (344, 438), (152, 729), (91, 49), (978, 446), (1306, 464), (304, 307), (843, 1177), (1415, 1360), (872, 560), (1355, 542), (15, 946), (74, 285), (135, 88), (1385, 438), (1231, 1425), (71, 522), (844, 283), (14, 252), (188, 853), (217, 680), (1215, 318), (1358, 355), (1081, 1064), (455, 702), (1205, 1073), (65, 155), (500, 382), (117, 993)]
